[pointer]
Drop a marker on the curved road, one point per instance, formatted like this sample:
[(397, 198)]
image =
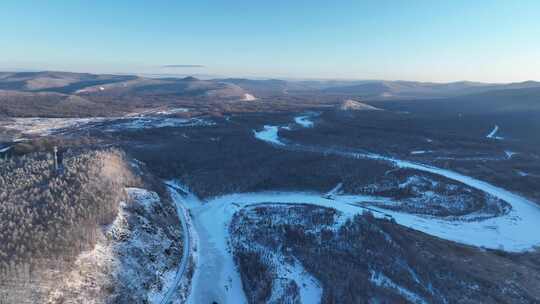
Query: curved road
[(167, 298)]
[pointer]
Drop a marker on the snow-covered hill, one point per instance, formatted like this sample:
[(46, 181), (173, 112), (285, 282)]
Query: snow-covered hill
[(134, 262)]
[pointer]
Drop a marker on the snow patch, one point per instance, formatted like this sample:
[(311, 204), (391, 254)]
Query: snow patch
[(509, 154), (155, 122), (144, 197), (248, 97), (353, 105), (334, 191), (492, 134), (381, 280), (171, 111), (310, 288), (304, 121), (420, 152), (47, 126), (523, 174), (269, 134)]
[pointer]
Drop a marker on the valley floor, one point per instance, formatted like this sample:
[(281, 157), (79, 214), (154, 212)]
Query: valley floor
[(477, 215)]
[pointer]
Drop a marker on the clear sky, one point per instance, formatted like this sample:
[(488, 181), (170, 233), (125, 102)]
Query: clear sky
[(482, 40)]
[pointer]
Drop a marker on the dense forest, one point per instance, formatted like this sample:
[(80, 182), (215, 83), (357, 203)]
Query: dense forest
[(364, 259), (49, 214)]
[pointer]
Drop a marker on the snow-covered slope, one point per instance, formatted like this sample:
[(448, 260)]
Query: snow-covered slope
[(353, 105), (135, 261), (248, 97)]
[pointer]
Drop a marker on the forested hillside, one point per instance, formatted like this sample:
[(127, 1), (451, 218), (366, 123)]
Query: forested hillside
[(47, 217), (368, 260)]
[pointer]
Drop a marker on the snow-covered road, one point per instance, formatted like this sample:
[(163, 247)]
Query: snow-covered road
[(180, 272), (215, 277)]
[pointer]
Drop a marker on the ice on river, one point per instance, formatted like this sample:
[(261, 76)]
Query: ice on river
[(304, 121), (269, 134), (514, 231)]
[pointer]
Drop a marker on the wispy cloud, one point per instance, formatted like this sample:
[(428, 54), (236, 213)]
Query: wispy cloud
[(177, 66)]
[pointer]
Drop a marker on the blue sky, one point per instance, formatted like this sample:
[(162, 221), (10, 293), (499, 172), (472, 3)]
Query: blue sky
[(497, 41)]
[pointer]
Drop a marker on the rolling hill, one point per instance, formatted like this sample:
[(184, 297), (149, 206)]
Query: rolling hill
[(65, 94)]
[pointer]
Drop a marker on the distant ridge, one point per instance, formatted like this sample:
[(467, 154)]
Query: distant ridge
[(190, 78), (410, 89)]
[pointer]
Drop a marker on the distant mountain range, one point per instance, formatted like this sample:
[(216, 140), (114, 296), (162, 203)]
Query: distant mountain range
[(60, 82), (374, 89), (82, 83), (81, 94), (513, 98)]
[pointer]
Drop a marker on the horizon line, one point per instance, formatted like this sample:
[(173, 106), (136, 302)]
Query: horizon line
[(218, 76)]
